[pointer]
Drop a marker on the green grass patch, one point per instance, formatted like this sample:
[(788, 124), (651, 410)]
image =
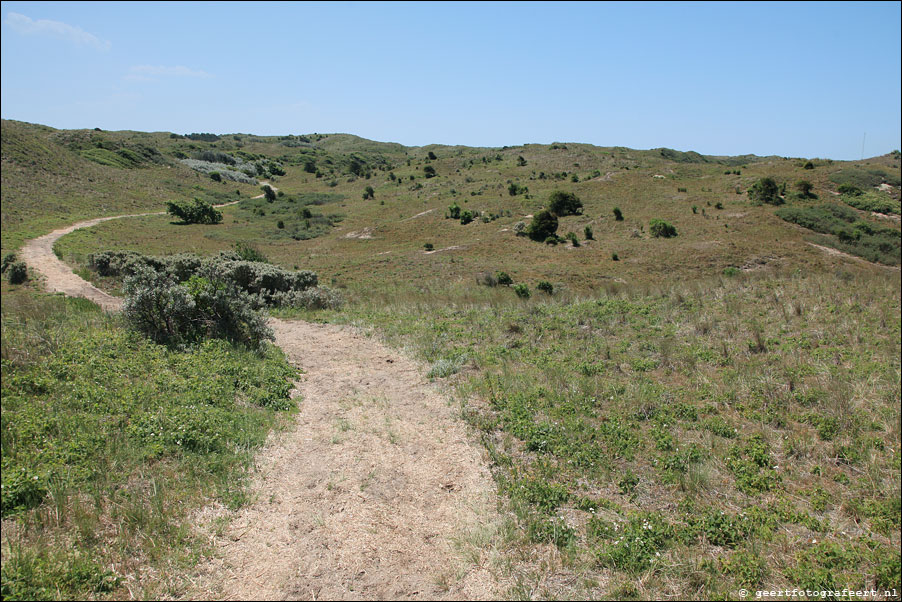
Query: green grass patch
[(102, 427)]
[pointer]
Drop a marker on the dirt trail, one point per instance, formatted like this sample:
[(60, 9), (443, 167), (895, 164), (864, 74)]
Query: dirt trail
[(364, 497)]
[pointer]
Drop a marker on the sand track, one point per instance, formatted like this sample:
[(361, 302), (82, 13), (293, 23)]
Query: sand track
[(363, 497)]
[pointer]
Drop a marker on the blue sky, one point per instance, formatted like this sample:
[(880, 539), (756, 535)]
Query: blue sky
[(791, 79)]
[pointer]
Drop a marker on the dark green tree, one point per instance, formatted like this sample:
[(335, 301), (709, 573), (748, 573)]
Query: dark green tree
[(544, 225), (563, 203)]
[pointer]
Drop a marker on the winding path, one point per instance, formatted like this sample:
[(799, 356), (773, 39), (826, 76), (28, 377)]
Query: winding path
[(364, 497)]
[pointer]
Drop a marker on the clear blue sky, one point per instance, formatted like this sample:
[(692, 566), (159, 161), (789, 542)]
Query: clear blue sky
[(791, 79)]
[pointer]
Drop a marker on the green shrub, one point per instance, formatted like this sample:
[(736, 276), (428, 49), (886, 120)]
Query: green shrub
[(587, 231), (269, 194), (766, 190), (183, 314), (877, 202), (249, 252), (454, 211), (805, 187), (544, 225), (369, 193), (615, 257), (562, 203), (196, 212), (661, 229), (849, 189), (618, 215), (429, 171), (17, 272), (571, 236), (428, 246), (546, 287), (504, 279), (468, 216), (8, 260), (514, 189), (522, 291)]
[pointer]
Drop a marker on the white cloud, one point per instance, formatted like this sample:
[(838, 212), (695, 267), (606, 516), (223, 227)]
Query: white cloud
[(145, 72), (28, 26)]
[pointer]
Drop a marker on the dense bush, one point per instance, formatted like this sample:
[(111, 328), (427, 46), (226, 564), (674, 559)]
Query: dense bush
[(429, 171), (546, 287), (454, 211), (805, 187), (8, 260), (522, 291), (588, 233), (661, 229), (504, 279), (514, 189), (766, 190), (195, 212), (618, 215), (544, 225), (873, 201), (268, 285), (564, 203), (206, 306), (369, 193), (202, 137), (17, 272), (849, 189)]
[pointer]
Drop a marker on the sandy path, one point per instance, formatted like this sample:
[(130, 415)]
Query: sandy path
[(364, 496)]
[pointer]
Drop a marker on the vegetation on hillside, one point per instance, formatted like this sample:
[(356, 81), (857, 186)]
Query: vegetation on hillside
[(665, 418)]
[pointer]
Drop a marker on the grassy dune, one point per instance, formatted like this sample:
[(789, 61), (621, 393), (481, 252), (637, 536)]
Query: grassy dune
[(704, 413)]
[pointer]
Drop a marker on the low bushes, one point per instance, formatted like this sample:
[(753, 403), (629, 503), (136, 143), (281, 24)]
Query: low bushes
[(16, 271), (195, 212), (266, 284), (873, 201), (204, 307), (661, 229), (862, 238)]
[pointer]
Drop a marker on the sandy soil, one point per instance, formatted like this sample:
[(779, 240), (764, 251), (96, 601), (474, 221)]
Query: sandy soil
[(364, 498)]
